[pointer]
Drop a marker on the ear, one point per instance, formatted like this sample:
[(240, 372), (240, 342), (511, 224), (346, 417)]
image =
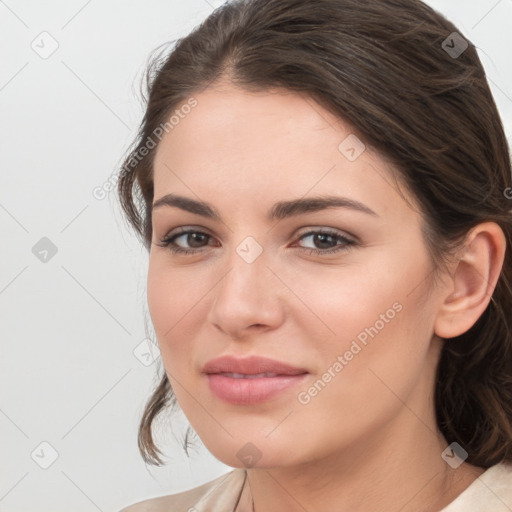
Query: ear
[(473, 280)]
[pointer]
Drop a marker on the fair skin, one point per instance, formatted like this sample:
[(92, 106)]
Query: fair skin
[(369, 440)]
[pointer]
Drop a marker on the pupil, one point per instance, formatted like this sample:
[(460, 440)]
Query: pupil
[(321, 238), (195, 236)]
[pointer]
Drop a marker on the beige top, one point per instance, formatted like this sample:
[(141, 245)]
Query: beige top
[(490, 492)]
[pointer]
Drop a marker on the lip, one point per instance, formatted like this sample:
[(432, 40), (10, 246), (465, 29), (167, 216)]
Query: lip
[(250, 380), (251, 365)]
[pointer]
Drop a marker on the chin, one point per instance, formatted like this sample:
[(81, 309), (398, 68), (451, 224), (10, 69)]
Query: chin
[(256, 453)]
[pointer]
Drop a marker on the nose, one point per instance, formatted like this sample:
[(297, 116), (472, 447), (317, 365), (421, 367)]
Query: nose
[(248, 297)]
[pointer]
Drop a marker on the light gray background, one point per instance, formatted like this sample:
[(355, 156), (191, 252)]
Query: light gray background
[(70, 325)]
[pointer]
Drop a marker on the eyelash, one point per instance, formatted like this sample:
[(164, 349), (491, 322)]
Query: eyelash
[(347, 242)]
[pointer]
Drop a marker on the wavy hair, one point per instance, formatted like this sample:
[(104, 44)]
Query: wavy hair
[(416, 93)]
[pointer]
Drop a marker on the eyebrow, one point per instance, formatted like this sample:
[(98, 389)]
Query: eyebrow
[(280, 210)]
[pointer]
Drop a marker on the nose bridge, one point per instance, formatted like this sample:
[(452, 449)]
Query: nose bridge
[(248, 275), (246, 295)]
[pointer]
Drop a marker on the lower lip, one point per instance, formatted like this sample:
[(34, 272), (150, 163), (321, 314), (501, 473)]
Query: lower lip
[(250, 391)]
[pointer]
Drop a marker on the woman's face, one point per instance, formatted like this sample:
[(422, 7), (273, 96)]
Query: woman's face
[(338, 293)]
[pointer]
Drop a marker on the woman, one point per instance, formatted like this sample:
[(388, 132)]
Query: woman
[(322, 187)]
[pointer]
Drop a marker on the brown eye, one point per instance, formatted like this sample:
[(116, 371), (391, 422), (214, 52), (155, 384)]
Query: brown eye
[(195, 240), (326, 242)]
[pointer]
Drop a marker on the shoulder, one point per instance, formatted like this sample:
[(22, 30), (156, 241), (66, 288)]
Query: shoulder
[(223, 490), (490, 492)]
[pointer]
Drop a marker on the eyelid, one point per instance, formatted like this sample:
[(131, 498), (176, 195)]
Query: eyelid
[(184, 229), (327, 230)]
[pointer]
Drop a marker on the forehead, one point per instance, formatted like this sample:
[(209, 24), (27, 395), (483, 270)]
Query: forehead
[(228, 118), (266, 145)]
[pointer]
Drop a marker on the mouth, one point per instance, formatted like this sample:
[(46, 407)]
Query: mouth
[(249, 376), (251, 380)]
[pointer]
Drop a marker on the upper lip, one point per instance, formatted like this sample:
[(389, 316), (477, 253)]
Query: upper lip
[(251, 365)]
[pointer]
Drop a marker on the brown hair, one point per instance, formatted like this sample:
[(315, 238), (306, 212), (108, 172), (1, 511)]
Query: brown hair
[(391, 69)]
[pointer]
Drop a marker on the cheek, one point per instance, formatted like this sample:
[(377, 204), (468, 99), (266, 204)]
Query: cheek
[(172, 299), (378, 351), (374, 311), (340, 304)]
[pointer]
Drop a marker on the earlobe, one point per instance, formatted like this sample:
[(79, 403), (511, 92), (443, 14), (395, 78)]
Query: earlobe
[(473, 280)]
